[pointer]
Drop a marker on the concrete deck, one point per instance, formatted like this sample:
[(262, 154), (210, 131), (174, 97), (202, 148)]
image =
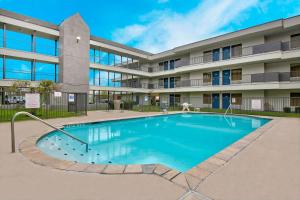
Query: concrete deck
[(268, 168)]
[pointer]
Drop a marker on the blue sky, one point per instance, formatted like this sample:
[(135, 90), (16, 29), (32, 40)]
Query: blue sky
[(158, 25)]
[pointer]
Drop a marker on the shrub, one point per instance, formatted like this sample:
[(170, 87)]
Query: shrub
[(297, 110), (287, 109)]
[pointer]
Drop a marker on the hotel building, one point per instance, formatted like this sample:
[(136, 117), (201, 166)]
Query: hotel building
[(260, 62)]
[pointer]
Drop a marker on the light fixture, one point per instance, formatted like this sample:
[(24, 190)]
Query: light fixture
[(78, 38)]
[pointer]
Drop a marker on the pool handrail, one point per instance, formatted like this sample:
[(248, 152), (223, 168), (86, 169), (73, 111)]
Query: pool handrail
[(13, 148)]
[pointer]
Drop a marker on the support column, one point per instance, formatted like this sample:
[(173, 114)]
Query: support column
[(33, 41)]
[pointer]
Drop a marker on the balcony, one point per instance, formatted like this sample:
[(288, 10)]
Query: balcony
[(249, 79), (235, 53)]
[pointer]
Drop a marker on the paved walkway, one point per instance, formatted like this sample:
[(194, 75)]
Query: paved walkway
[(267, 169)]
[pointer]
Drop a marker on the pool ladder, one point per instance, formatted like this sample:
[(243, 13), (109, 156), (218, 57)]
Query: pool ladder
[(13, 148), (229, 107)]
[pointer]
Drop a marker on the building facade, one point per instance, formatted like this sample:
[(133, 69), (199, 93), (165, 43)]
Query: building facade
[(261, 62)]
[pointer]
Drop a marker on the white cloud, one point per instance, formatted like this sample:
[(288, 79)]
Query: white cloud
[(163, 30)]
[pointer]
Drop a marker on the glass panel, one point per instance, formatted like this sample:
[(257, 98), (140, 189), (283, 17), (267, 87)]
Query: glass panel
[(117, 80), (166, 82), (111, 77), (111, 59), (45, 46), (172, 82), (103, 58), (1, 68), (117, 60), (1, 35), (45, 71), (172, 64), (206, 77), (97, 77), (206, 99), (91, 76), (103, 78), (97, 56), (57, 73), (216, 54), (226, 53), (236, 50), (207, 56), (92, 55), (166, 65), (295, 70), (236, 74), (124, 60), (18, 41), (18, 69)]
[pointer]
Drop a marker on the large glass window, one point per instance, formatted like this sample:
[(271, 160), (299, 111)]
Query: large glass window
[(103, 78), (236, 50), (207, 78), (1, 68), (236, 74), (97, 56), (172, 64), (103, 58), (172, 82), (216, 55), (1, 35), (18, 41), (236, 99), (91, 76), (166, 65), (118, 80), (117, 60), (97, 77), (111, 59), (206, 98), (46, 46), (166, 82), (45, 71), (18, 69), (111, 79), (92, 55), (295, 70), (207, 56)]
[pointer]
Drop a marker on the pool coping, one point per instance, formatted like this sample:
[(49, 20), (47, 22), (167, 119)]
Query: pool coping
[(188, 180)]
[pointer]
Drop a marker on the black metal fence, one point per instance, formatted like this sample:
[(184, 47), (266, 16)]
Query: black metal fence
[(52, 105)]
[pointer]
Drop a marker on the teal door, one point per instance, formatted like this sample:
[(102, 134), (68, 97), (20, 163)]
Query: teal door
[(215, 101)]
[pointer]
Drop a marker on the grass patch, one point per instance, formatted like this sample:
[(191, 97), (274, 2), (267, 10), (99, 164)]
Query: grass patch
[(7, 114)]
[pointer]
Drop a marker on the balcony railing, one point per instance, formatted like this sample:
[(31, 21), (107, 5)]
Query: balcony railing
[(223, 81), (238, 53)]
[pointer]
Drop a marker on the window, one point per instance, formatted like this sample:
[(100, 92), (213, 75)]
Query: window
[(1, 35), (166, 82), (174, 99), (1, 68), (46, 46), (216, 54), (92, 55), (118, 77), (117, 60), (236, 74), (97, 77), (45, 71), (103, 78), (166, 65), (91, 97), (295, 70), (18, 69), (236, 50), (295, 99), (236, 99), (226, 53), (97, 56), (91, 76), (172, 64), (18, 41), (111, 59), (172, 82), (103, 58), (206, 99), (111, 79), (206, 77), (207, 56), (295, 41)]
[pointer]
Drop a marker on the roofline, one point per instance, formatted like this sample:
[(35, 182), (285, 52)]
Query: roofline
[(279, 23)]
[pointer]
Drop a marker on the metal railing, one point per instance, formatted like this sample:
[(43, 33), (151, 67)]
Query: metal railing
[(237, 53), (13, 148), (232, 80)]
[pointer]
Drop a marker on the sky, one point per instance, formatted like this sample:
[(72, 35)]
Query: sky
[(158, 25)]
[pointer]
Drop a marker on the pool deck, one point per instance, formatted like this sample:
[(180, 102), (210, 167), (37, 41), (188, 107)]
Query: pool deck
[(263, 165)]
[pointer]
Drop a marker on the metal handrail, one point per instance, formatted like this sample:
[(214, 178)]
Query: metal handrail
[(229, 107), (13, 148)]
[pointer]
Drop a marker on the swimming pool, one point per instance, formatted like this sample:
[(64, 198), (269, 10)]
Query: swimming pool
[(179, 141)]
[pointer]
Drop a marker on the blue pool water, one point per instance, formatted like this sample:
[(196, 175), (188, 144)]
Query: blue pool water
[(179, 141)]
